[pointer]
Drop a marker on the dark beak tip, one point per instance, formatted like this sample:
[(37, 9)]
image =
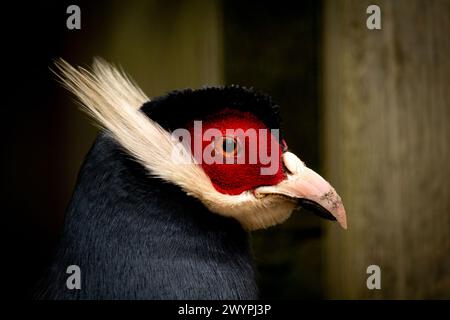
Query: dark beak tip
[(316, 208)]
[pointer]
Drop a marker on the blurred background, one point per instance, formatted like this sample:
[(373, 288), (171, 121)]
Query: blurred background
[(368, 109)]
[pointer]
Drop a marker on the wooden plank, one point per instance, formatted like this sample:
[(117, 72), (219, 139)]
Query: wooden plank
[(386, 113)]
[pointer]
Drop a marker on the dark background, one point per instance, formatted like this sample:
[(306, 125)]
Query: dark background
[(277, 47)]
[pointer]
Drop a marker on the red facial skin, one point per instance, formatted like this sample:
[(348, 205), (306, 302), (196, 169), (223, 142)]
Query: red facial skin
[(236, 178)]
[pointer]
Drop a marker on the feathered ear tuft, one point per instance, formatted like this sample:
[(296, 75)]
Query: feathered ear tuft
[(114, 102), (100, 86)]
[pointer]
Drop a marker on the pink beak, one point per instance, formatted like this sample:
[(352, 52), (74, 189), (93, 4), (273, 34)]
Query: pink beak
[(312, 191)]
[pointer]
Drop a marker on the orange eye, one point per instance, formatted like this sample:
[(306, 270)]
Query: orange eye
[(227, 146)]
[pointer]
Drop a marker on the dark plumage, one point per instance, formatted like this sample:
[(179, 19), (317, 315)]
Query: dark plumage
[(175, 109), (137, 237)]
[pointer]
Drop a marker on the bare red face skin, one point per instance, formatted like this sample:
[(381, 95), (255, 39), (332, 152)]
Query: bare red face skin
[(236, 178)]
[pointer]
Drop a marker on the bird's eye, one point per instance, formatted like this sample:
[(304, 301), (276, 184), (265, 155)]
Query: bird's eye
[(227, 146)]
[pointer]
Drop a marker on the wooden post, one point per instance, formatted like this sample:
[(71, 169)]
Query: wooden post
[(387, 112)]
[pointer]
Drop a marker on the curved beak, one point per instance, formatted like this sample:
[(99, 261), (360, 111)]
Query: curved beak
[(311, 190)]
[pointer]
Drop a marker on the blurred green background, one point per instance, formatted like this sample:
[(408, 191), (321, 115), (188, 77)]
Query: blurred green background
[(369, 110)]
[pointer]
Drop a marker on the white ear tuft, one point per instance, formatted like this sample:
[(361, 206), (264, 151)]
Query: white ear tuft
[(114, 101)]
